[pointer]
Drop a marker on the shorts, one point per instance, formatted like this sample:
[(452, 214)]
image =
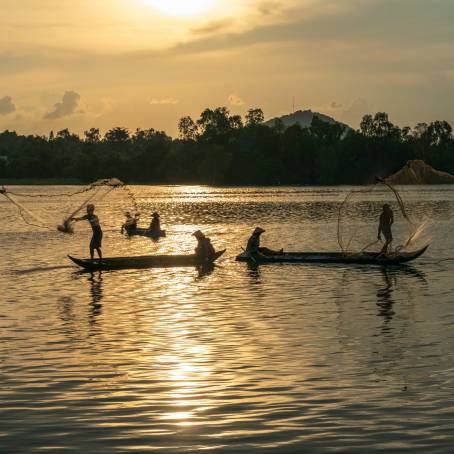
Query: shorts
[(388, 235), (96, 241)]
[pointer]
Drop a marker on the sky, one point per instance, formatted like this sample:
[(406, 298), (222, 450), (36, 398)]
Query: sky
[(147, 63)]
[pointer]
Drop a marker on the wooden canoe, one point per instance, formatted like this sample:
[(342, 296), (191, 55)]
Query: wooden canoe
[(146, 232), (142, 262), (364, 258)]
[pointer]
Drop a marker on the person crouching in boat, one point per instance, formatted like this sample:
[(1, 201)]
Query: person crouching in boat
[(155, 225), (384, 227), (253, 245), (204, 250), (96, 239), (130, 223)]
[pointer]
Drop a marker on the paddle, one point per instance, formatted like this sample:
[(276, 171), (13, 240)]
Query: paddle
[(249, 255)]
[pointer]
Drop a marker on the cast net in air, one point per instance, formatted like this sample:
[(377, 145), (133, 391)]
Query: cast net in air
[(359, 215), (54, 209)]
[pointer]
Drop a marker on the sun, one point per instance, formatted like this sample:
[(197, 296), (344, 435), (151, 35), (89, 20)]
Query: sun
[(182, 8)]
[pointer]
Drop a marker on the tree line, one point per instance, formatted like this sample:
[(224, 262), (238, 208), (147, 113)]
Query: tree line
[(219, 148)]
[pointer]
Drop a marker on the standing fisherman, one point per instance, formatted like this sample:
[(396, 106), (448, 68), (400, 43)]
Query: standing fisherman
[(386, 221), (96, 239)]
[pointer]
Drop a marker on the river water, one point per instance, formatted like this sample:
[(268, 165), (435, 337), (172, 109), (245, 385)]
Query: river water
[(283, 358)]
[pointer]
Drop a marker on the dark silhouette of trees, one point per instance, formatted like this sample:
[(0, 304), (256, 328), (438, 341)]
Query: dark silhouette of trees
[(221, 148)]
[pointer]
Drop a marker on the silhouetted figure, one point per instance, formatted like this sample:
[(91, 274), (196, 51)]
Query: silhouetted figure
[(130, 223), (96, 239), (204, 249), (155, 225), (253, 244), (386, 221)]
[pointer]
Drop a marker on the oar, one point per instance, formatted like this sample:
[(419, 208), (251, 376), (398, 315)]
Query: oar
[(249, 255)]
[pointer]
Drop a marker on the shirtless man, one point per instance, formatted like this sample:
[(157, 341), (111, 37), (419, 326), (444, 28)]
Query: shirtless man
[(96, 239), (384, 227)]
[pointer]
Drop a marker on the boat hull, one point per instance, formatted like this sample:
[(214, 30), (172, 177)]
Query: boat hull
[(148, 233), (143, 262), (365, 258)]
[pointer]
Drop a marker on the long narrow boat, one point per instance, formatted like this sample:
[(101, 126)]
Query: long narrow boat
[(364, 258), (146, 232), (144, 261)]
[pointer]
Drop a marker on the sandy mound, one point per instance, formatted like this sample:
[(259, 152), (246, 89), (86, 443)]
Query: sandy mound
[(418, 172)]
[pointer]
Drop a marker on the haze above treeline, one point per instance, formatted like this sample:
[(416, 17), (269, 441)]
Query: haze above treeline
[(219, 148)]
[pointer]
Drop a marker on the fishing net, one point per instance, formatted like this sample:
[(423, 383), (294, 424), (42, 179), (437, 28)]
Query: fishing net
[(54, 209), (358, 221)]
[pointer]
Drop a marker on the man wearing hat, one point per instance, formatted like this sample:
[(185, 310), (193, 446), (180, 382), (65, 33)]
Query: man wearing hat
[(384, 227), (253, 244), (155, 225), (204, 249), (130, 223)]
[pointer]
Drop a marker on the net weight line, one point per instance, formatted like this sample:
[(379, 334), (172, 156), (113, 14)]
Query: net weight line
[(22, 210), (97, 186)]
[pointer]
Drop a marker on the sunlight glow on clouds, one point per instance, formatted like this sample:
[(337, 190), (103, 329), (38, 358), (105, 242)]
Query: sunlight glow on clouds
[(186, 8), (164, 101), (66, 107), (6, 105), (363, 54)]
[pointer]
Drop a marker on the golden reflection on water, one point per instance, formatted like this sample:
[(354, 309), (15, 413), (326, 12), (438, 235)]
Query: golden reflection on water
[(234, 359)]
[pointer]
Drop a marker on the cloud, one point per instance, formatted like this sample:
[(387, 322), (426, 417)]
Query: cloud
[(335, 105), (269, 7), (6, 105), (235, 100), (66, 107), (164, 101), (212, 27)]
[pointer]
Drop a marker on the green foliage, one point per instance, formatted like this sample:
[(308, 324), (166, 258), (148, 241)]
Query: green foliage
[(220, 148)]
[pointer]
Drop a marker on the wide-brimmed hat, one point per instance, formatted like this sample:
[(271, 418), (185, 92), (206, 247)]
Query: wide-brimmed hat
[(198, 234), (258, 231)]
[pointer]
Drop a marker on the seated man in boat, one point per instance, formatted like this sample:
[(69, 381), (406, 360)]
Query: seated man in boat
[(253, 244), (96, 239), (130, 223), (204, 249), (155, 225), (384, 227)]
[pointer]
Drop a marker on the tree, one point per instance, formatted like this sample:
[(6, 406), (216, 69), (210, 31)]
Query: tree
[(92, 135), (439, 133), (117, 135), (215, 125), (326, 132), (254, 117), (188, 129), (63, 134)]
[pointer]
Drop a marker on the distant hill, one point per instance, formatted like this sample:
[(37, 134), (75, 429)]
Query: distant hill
[(418, 172), (304, 119)]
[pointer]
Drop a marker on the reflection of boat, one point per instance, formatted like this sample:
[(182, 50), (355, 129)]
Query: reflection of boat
[(364, 258), (146, 232), (144, 261)]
